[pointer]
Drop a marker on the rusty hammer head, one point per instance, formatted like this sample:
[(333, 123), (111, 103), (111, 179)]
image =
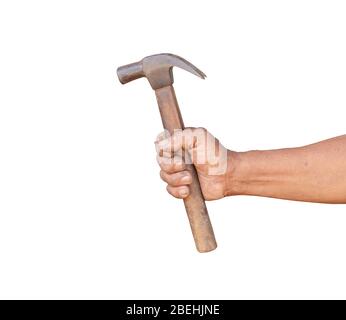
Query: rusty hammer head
[(157, 69)]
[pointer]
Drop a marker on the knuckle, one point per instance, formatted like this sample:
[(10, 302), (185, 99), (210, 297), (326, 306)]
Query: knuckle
[(171, 191), (162, 165), (188, 131), (162, 175), (160, 160), (166, 177), (176, 166), (186, 178), (175, 179), (200, 130), (162, 135), (166, 166)]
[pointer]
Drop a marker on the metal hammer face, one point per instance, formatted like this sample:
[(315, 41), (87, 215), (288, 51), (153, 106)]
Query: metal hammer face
[(157, 69)]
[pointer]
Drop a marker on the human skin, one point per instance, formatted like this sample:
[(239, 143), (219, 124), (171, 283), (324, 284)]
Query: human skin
[(313, 173)]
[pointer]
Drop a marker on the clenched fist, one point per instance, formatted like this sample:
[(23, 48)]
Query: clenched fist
[(197, 146)]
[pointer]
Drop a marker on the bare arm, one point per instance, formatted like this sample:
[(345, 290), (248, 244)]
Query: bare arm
[(314, 173)]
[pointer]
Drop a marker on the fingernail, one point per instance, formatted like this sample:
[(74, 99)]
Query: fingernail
[(185, 179), (183, 193)]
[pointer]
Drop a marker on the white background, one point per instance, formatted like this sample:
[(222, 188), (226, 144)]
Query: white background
[(83, 213)]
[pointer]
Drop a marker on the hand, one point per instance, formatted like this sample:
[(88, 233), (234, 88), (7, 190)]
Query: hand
[(208, 155)]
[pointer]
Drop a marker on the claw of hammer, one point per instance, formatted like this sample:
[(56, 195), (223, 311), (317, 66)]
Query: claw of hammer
[(157, 69)]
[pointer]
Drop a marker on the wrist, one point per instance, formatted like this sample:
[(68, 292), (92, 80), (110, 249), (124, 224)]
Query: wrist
[(233, 183)]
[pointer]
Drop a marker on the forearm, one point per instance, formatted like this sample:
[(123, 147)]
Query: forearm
[(314, 173)]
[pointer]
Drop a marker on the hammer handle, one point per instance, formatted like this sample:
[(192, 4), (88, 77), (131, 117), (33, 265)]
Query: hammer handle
[(196, 209)]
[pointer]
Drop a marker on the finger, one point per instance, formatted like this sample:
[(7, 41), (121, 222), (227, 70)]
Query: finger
[(172, 143), (162, 135), (186, 139), (178, 192), (160, 151), (176, 179), (171, 165)]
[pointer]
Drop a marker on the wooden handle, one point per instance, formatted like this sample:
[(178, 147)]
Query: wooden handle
[(196, 209)]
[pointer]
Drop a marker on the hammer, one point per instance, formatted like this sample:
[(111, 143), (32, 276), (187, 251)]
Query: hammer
[(158, 70)]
